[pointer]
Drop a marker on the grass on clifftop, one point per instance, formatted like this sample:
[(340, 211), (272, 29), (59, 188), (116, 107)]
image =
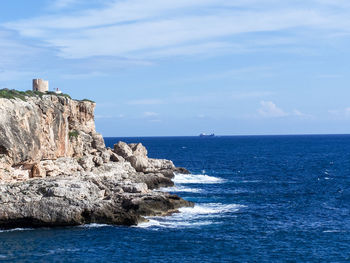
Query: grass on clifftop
[(88, 100), (57, 94), (15, 94)]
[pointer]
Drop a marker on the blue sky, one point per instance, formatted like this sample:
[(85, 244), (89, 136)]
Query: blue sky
[(166, 67)]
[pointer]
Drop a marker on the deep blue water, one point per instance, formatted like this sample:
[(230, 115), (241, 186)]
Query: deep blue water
[(258, 199)]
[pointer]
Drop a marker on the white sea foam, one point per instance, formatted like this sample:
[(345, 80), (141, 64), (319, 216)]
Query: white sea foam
[(196, 179), (150, 223), (179, 188), (16, 229), (250, 181), (159, 223), (191, 217), (93, 225), (332, 231), (211, 208)]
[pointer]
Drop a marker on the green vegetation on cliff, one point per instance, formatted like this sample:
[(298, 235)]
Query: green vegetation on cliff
[(13, 94), (88, 100), (16, 94), (73, 134)]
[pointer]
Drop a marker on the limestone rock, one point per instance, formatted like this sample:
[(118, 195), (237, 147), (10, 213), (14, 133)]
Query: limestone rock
[(98, 142), (140, 163), (37, 171), (46, 128), (116, 158), (65, 201), (86, 162), (138, 149), (122, 149), (97, 160)]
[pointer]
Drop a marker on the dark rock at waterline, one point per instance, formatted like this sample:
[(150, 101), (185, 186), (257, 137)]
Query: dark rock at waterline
[(181, 170)]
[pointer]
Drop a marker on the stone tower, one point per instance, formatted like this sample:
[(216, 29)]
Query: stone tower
[(40, 85)]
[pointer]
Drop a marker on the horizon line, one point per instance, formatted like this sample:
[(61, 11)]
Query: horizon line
[(234, 135)]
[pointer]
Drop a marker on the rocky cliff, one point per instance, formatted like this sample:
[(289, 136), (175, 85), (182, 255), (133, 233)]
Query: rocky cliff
[(55, 168), (44, 127)]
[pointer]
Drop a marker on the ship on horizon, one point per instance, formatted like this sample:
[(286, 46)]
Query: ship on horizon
[(206, 135)]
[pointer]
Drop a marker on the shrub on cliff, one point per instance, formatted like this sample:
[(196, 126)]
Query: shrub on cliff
[(12, 94), (73, 134)]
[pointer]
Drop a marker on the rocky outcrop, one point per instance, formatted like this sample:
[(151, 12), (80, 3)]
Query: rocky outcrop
[(55, 169), (136, 154), (108, 196)]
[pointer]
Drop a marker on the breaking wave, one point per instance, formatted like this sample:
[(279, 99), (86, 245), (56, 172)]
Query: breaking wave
[(192, 217), (93, 225), (179, 189), (196, 179), (15, 229)]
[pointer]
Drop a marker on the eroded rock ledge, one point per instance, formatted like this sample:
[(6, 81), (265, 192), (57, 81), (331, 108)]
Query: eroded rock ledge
[(56, 171)]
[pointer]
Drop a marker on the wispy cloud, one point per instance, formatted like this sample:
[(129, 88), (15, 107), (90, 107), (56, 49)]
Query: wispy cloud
[(203, 97), (340, 113), (61, 4), (270, 110), (150, 114), (161, 28), (301, 114)]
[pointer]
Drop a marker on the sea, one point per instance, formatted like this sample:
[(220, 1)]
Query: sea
[(257, 199)]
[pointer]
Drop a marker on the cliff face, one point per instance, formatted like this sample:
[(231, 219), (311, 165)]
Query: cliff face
[(45, 128)]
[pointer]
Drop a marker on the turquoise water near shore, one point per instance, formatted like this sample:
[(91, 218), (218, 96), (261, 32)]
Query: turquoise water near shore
[(258, 199)]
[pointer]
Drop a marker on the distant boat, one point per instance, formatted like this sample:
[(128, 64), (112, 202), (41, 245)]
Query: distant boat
[(206, 135)]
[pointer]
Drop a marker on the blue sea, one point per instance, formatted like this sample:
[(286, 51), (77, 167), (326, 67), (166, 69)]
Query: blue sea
[(258, 199)]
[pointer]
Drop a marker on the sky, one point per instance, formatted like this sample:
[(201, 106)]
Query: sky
[(183, 67)]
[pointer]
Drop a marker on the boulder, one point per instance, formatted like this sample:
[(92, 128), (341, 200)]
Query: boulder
[(116, 158), (138, 149), (140, 163), (122, 149), (98, 141), (37, 171)]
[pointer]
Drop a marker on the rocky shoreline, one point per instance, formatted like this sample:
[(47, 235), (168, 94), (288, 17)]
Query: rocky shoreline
[(56, 171)]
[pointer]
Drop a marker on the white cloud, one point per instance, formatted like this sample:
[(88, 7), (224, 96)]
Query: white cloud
[(270, 110), (150, 114), (340, 113), (301, 114), (204, 97)]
